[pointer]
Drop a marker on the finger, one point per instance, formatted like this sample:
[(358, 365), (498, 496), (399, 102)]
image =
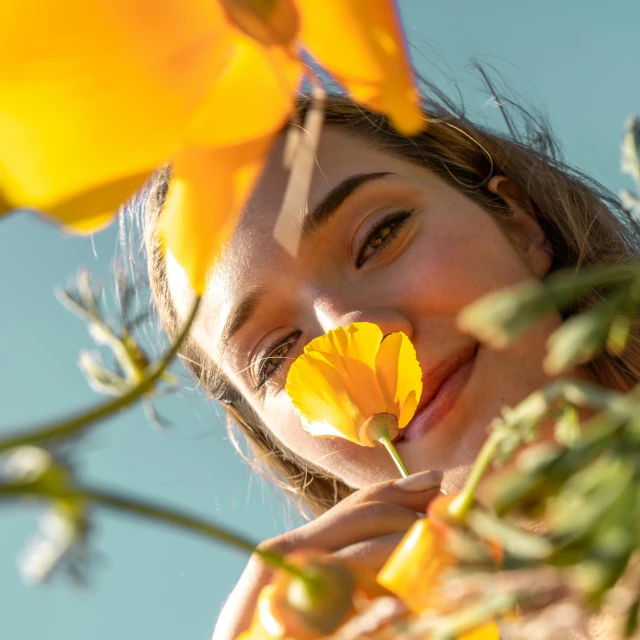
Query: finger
[(371, 554), (414, 492), (340, 528)]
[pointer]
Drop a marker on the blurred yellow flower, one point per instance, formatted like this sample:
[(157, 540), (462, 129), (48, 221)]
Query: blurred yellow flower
[(370, 60), (414, 569), (330, 593), (350, 375), (94, 96), (414, 572)]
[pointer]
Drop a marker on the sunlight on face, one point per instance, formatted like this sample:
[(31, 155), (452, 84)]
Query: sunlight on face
[(384, 241)]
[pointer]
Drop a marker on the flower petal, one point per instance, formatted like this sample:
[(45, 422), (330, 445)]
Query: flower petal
[(322, 399), (352, 352), (359, 341), (399, 375), (252, 97), (360, 42), (94, 92), (273, 22), (206, 194), (361, 382), (103, 201), (414, 569), (350, 374)]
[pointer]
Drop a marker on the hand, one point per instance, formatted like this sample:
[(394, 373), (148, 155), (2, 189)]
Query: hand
[(364, 528)]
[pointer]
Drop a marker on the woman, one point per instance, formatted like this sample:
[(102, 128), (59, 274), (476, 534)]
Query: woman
[(404, 233)]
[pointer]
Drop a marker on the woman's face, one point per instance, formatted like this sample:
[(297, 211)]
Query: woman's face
[(388, 242)]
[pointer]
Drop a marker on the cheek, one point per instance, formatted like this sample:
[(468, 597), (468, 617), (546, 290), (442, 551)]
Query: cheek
[(456, 259), (355, 465), (286, 426)]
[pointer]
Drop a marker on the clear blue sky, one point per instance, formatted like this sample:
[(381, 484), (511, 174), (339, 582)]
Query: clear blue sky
[(577, 60)]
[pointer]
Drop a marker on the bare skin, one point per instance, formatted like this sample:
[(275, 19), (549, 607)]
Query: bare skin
[(403, 250)]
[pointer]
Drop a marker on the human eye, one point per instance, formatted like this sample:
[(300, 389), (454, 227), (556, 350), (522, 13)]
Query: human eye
[(382, 233), (271, 359)]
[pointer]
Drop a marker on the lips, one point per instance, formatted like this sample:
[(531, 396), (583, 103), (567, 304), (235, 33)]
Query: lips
[(442, 387)]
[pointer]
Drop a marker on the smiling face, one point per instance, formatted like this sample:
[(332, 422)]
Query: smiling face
[(388, 242)]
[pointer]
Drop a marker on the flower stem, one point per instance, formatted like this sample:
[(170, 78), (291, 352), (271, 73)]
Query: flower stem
[(536, 407), (151, 511), (71, 426), (395, 456), (461, 504)]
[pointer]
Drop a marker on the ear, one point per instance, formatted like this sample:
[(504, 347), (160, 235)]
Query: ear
[(529, 238)]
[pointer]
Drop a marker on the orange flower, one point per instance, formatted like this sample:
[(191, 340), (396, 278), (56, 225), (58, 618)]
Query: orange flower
[(414, 569), (95, 96), (414, 573), (349, 375), (293, 607), (360, 42)]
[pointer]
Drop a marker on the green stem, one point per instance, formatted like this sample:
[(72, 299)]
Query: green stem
[(538, 404), (461, 504), (151, 511), (395, 456), (69, 426)]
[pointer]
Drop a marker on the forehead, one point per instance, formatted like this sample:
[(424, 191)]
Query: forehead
[(253, 252), (337, 157)]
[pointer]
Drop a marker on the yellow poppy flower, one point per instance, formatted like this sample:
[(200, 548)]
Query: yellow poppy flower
[(414, 569), (414, 572), (356, 383), (331, 593), (366, 54), (106, 92)]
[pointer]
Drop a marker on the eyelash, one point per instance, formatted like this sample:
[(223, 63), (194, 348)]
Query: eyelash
[(263, 376), (396, 221)]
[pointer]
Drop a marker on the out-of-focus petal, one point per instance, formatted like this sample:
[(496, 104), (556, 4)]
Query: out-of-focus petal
[(328, 411), (94, 92), (414, 573), (103, 201), (252, 96), (5, 207), (360, 42), (414, 569), (207, 191), (265, 625), (489, 631), (272, 23)]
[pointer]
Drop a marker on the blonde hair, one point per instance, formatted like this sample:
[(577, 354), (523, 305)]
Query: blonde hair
[(583, 222)]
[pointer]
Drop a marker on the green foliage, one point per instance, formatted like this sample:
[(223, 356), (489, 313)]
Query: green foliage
[(631, 163)]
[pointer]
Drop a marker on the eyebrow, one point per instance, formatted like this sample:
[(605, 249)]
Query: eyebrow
[(240, 315), (323, 211), (318, 216)]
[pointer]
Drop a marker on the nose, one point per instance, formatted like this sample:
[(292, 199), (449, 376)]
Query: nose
[(332, 312)]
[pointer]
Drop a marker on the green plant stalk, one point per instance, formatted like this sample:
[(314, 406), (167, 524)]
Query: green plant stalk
[(395, 456), (68, 427), (579, 393), (490, 608), (151, 511), (380, 428), (461, 504)]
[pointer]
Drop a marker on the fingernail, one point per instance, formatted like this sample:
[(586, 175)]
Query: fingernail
[(420, 481)]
